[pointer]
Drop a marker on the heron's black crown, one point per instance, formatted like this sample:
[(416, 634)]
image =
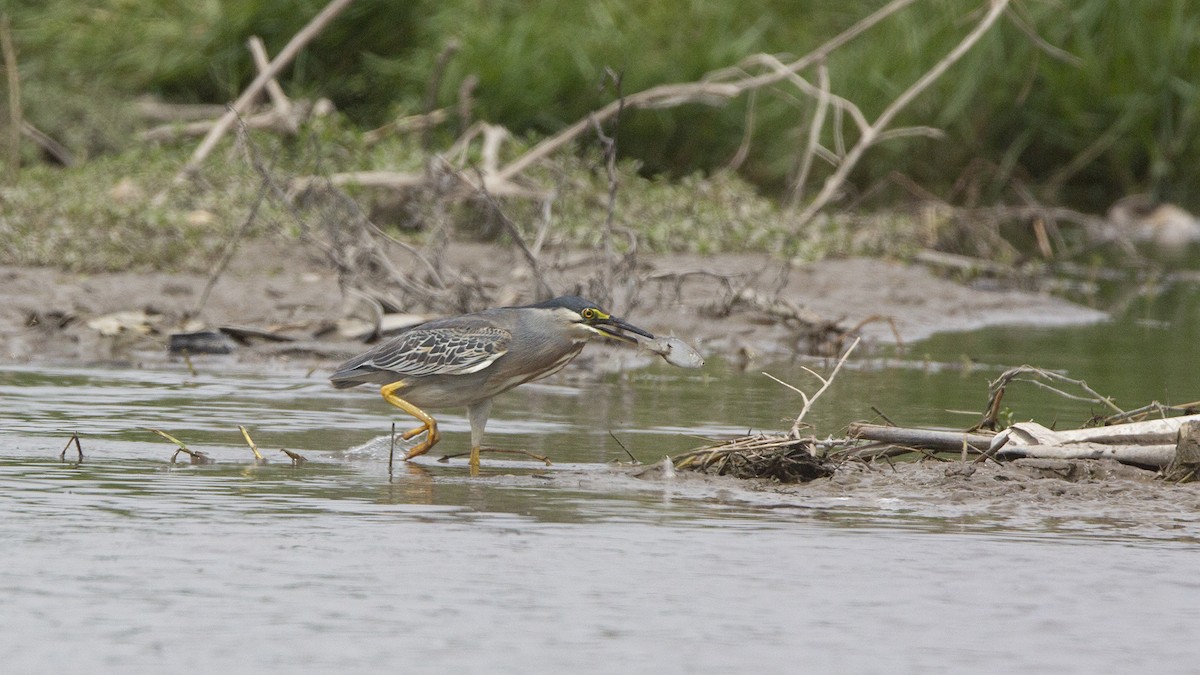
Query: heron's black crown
[(571, 302)]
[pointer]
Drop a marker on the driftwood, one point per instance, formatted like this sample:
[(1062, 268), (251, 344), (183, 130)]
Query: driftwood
[(1171, 443), (1156, 456), (1160, 431), (927, 439), (1186, 461)]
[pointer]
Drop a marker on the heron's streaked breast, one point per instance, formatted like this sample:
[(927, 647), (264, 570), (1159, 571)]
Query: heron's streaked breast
[(512, 379)]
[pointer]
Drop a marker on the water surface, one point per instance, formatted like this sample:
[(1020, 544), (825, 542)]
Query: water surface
[(129, 562)]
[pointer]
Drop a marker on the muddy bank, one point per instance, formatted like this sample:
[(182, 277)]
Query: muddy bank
[(1081, 494), (47, 315)]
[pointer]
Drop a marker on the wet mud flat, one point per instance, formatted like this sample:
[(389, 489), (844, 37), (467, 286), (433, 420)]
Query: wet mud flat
[(280, 303), (1024, 494)]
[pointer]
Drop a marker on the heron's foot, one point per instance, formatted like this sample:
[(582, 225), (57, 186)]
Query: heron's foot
[(431, 438)]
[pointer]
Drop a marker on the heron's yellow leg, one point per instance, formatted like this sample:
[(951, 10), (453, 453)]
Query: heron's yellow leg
[(474, 461), (428, 424)]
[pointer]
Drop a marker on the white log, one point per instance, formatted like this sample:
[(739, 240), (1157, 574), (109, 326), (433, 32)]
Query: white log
[(1140, 455)]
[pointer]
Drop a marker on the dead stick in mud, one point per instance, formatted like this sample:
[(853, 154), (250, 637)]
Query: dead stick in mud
[(631, 457), (258, 458), (431, 89), (79, 449), (196, 456), (541, 289), (285, 57), (609, 143), (392, 449)]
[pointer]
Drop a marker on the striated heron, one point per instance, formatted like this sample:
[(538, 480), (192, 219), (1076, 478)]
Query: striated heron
[(467, 360)]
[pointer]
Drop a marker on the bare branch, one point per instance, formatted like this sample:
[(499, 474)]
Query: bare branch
[(871, 136), (709, 91), (285, 57), (810, 400)]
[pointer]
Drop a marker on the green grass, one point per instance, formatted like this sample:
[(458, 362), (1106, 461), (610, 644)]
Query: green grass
[(1014, 116)]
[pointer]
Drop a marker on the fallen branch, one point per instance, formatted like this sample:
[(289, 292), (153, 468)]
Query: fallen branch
[(230, 248), (196, 456), (705, 91), (271, 120), (929, 439), (279, 100), (1157, 456), (400, 180), (51, 147), (285, 57)]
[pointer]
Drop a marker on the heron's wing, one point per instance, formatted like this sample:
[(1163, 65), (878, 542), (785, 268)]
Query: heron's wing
[(441, 351)]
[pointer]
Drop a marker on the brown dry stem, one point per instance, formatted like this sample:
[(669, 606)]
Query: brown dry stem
[(74, 439), (999, 386)]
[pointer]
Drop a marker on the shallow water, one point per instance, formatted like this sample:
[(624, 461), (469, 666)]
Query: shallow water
[(128, 562)]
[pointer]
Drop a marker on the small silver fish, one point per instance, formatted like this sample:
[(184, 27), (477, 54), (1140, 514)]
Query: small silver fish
[(674, 351)]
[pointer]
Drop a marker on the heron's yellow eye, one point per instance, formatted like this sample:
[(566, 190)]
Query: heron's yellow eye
[(588, 313)]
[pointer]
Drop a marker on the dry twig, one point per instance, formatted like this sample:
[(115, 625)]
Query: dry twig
[(1000, 385), (196, 456), (825, 382), (258, 458), (778, 457), (78, 448)]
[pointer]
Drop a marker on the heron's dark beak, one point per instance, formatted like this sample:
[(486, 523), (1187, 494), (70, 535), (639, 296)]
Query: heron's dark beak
[(612, 327)]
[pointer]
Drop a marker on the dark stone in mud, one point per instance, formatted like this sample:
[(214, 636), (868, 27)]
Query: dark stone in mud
[(200, 342)]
